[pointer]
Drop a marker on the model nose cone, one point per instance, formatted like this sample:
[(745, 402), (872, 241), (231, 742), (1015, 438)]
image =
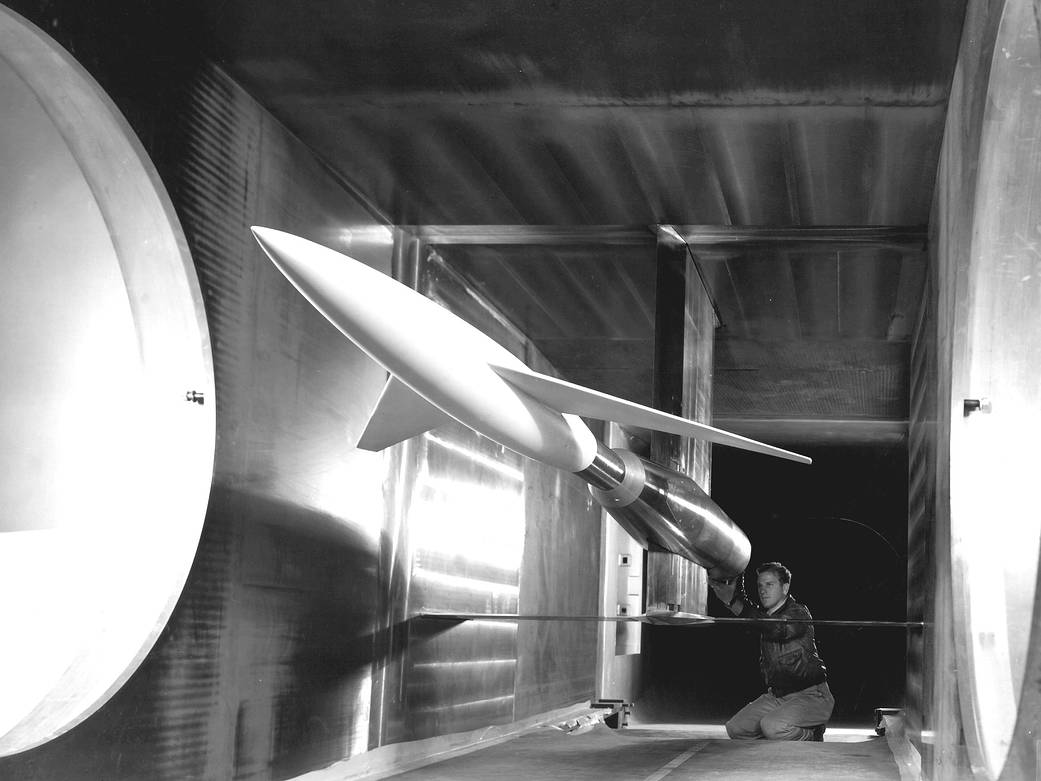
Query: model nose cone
[(278, 246), (323, 276)]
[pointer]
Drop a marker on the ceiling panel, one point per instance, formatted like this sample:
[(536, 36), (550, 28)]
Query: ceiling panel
[(735, 116)]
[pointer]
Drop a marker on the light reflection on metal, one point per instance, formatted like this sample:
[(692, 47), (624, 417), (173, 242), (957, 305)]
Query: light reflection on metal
[(994, 522), (671, 233), (668, 618), (468, 704), (365, 234), (451, 514), (668, 510), (608, 471), (496, 466), (467, 663), (452, 518), (467, 583), (463, 556), (895, 236), (552, 235), (452, 486), (489, 623)]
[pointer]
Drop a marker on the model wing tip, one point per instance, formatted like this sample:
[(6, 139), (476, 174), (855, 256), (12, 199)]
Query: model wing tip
[(571, 398)]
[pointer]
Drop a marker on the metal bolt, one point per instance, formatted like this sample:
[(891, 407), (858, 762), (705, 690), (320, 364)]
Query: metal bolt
[(197, 396), (973, 405)]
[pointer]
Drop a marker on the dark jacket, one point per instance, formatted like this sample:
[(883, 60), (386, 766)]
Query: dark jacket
[(788, 655)]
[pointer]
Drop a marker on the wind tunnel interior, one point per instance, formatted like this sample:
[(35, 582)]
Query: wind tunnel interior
[(294, 645)]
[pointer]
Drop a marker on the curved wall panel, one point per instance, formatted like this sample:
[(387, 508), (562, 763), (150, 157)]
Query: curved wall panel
[(106, 461), (995, 526), (973, 529)]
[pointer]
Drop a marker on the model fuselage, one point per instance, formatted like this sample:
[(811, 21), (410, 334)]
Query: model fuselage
[(443, 359), (448, 369)]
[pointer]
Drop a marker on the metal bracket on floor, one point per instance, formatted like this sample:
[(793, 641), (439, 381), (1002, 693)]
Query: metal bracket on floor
[(619, 712), (880, 718)]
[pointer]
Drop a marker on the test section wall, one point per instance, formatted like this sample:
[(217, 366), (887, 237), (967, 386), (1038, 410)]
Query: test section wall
[(932, 706), (976, 336)]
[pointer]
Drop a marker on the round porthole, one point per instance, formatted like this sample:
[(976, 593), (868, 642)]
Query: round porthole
[(106, 399)]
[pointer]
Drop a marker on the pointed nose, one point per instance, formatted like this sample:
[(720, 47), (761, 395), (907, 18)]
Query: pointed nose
[(265, 236), (283, 249), (321, 274), (339, 287), (361, 301)]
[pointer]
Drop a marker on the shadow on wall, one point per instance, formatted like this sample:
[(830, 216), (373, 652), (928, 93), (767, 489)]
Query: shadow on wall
[(264, 667)]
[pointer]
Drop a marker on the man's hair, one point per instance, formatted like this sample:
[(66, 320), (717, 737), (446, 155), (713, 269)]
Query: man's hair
[(782, 572)]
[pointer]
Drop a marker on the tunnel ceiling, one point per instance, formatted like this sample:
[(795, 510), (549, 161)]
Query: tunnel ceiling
[(538, 144)]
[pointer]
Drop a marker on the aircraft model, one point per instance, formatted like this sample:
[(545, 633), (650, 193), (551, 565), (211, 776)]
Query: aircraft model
[(442, 369)]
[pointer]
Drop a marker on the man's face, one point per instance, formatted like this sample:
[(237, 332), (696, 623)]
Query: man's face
[(771, 590)]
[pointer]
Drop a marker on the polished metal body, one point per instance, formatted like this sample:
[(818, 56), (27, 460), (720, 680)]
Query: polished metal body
[(667, 510), (608, 470)]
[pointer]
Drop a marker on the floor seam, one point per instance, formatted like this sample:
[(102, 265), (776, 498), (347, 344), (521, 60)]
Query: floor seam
[(668, 767)]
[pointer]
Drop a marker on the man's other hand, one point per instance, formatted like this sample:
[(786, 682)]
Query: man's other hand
[(723, 589)]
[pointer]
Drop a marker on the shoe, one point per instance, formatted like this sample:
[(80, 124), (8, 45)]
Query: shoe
[(818, 733)]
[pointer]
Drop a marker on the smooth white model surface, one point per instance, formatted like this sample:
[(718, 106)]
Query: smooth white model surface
[(440, 357), (568, 397), (443, 366)]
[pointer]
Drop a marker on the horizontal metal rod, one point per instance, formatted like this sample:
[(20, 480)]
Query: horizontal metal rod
[(897, 236), (549, 235), (516, 617), (816, 622), (669, 618)]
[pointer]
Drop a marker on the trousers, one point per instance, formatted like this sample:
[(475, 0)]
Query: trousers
[(791, 717)]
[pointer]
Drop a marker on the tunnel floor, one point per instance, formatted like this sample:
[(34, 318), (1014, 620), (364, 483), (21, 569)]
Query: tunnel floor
[(667, 753)]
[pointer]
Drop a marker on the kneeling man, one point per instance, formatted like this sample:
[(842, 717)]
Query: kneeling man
[(797, 703)]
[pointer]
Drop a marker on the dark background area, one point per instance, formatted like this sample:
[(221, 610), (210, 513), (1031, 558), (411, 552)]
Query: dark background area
[(840, 526)]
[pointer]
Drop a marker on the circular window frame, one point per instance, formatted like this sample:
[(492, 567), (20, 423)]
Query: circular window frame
[(120, 563)]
